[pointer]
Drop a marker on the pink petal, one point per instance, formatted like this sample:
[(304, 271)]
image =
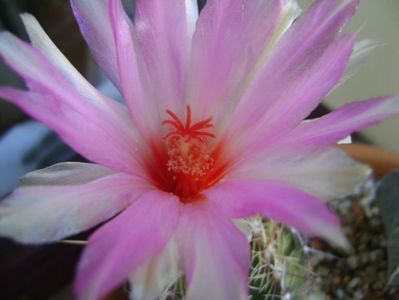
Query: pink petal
[(159, 273), (302, 69), (41, 41), (102, 131), (215, 253), (294, 99), (124, 244), (164, 30), (95, 25), (338, 124), (328, 174), (228, 43), (134, 84), (280, 202), (40, 213)]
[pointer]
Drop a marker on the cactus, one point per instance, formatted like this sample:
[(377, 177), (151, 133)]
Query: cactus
[(280, 269)]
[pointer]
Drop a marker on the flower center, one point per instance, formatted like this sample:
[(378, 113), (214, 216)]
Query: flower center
[(188, 162), (188, 157)]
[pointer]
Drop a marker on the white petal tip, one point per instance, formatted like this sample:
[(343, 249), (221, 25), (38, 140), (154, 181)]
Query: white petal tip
[(343, 243), (29, 21), (26, 17)]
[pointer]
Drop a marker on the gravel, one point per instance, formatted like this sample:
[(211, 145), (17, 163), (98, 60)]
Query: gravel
[(362, 272)]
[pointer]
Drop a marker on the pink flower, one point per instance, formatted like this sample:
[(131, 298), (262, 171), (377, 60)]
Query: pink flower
[(213, 131)]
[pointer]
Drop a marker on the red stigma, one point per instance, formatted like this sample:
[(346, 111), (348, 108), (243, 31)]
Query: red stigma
[(183, 161), (197, 131)]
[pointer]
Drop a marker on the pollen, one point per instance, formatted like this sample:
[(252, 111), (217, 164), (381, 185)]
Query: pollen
[(188, 156)]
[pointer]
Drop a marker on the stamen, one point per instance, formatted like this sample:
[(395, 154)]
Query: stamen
[(188, 157)]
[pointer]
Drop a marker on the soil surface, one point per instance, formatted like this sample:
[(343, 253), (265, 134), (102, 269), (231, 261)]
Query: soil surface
[(362, 272)]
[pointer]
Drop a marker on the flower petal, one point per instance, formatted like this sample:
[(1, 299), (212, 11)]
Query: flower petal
[(361, 52), (280, 202), (215, 253), (95, 129), (95, 25), (67, 173), (294, 99), (290, 12), (133, 81), (328, 174), (160, 272), (227, 46), (39, 213), (125, 243), (41, 41), (303, 67), (164, 30), (338, 124)]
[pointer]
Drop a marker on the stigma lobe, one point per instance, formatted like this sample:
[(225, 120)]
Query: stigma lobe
[(197, 131)]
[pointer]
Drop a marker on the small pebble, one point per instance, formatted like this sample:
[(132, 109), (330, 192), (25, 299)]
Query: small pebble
[(353, 261), (354, 283)]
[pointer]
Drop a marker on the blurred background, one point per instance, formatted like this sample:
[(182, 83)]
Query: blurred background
[(41, 272)]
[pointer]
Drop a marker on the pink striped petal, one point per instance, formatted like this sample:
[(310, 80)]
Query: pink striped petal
[(214, 252), (102, 131), (41, 41), (40, 213), (280, 202), (85, 131), (296, 98), (133, 81), (338, 124), (303, 68), (124, 244), (95, 25), (228, 43), (328, 174), (164, 30)]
